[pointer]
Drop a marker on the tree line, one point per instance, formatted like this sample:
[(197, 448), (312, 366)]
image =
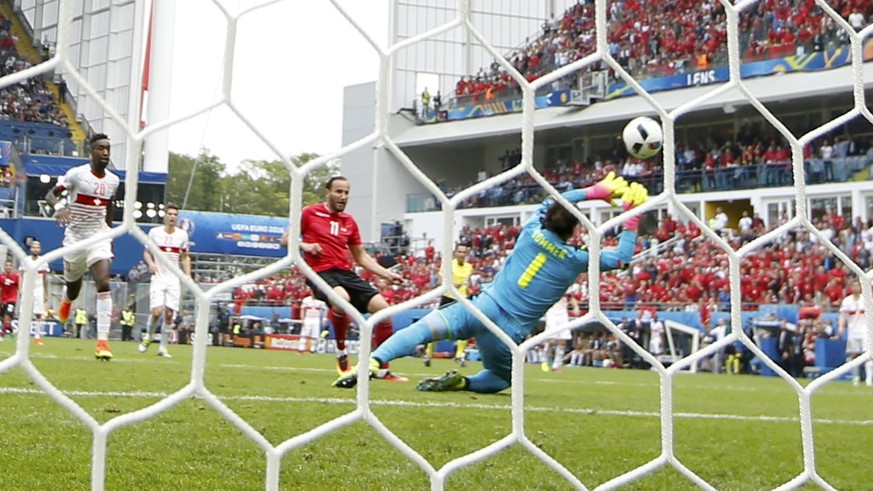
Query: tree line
[(259, 187)]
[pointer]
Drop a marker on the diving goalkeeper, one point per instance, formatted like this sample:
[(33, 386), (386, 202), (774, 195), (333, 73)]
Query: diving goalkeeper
[(535, 276)]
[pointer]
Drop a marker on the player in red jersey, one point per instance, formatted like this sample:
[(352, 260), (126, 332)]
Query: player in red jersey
[(88, 211), (329, 234), (9, 282)]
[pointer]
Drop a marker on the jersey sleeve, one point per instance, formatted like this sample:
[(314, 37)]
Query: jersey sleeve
[(616, 258)]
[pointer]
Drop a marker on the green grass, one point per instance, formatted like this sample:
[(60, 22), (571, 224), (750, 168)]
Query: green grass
[(598, 423)]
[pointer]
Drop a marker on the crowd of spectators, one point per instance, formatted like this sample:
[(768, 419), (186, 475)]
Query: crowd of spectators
[(662, 38), (28, 100), (676, 268), (749, 161)]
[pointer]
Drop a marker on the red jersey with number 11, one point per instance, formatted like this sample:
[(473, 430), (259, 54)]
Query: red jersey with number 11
[(334, 232)]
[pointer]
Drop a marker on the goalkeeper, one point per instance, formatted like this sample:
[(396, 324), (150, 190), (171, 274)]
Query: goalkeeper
[(535, 276)]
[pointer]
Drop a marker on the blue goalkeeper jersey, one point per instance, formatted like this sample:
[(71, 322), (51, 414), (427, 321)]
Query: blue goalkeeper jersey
[(542, 266)]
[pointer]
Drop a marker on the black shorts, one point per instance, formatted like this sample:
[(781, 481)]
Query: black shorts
[(445, 300), (7, 308), (360, 292)]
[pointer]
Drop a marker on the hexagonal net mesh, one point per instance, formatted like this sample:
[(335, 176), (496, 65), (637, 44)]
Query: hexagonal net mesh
[(362, 412)]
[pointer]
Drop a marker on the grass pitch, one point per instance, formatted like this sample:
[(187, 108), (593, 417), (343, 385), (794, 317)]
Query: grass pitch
[(736, 432)]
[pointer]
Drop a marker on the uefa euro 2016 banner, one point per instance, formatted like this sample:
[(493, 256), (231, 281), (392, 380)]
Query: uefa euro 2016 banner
[(242, 235)]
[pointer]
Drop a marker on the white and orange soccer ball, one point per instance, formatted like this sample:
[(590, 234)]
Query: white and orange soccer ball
[(643, 137)]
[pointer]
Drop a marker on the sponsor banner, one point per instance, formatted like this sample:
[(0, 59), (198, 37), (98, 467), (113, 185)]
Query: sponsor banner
[(242, 235), (51, 328), (285, 342), (503, 106), (809, 62)]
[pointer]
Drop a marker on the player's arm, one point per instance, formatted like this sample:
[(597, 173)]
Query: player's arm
[(110, 211), (841, 324), (308, 247), (53, 198), (367, 262), (150, 261), (185, 259)]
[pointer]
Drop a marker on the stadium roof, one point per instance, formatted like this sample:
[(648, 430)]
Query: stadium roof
[(794, 86)]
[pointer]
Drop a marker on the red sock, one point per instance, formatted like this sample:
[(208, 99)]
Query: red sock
[(381, 332), (340, 327)]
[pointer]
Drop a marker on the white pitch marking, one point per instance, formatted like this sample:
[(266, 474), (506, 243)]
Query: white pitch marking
[(338, 400)]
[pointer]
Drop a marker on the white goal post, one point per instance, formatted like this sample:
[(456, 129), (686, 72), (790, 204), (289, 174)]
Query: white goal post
[(461, 19)]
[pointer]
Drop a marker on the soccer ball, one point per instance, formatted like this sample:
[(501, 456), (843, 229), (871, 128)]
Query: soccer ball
[(642, 137)]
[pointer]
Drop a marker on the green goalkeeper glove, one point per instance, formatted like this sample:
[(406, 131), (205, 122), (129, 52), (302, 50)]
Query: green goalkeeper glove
[(636, 195), (609, 188)]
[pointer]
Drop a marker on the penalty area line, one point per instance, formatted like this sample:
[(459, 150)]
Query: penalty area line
[(495, 407)]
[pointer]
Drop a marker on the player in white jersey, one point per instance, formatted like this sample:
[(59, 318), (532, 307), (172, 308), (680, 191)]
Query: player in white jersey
[(557, 316), (314, 314), (40, 288), (88, 211), (165, 289), (853, 318)]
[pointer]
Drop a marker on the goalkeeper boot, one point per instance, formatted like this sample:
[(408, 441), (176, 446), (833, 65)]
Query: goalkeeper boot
[(426, 361), (64, 311), (144, 344), (163, 352), (460, 361), (103, 353), (349, 379), (452, 380)]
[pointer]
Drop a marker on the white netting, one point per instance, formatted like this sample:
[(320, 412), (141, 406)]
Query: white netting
[(363, 411)]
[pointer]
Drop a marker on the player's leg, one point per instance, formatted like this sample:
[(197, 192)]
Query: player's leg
[(560, 349), (497, 360), (447, 323), (172, 299), (853, 350), (37, 326), (100, 273), (461, 352), (381, 332), (156, 306), (428, 353), (166, 328), (340, 321), (75, 265)]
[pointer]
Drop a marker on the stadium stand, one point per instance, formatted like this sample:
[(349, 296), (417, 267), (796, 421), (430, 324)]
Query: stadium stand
[(663, 38)]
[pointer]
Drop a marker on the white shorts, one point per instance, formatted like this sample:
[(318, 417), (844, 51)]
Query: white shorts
[(165, 292), (553, 321), (39, 303), (855, 346), (311, 328), (78, 261)]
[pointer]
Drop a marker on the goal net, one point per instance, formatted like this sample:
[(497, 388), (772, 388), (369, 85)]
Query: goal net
[(682, 341)]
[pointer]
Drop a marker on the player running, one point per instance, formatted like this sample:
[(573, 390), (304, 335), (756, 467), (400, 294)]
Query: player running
[(86, 212), (165, 289), (40, 288)]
